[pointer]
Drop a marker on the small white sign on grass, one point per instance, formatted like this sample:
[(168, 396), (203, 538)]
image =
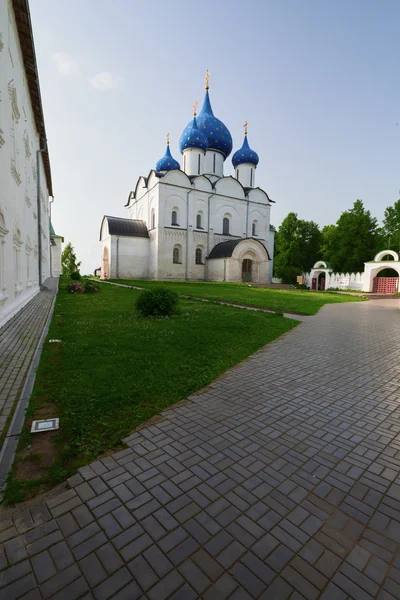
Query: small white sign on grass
[(45, 425)]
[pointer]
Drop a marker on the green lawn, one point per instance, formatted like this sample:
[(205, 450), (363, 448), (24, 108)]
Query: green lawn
[(297, 301), (114, 370)]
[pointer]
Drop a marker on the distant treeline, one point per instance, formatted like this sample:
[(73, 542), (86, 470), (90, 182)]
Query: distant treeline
[(354, 239)]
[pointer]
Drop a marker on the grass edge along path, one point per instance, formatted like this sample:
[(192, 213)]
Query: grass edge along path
[(113, 371), (301, 302)]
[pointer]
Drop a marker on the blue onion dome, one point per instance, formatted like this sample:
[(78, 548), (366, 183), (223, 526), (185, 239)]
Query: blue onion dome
[(167, 162), (245, 154), (192, 137), (218, 135)]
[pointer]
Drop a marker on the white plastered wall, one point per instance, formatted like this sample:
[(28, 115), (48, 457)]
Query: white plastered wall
[(19, 141)]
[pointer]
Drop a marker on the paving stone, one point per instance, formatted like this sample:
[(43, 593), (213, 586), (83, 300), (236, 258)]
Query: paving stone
[(143, 573), (92, 569), (14, 573), (194, 576), (109, 558), (43, 566), (60, 581), (61, 555), (112, 585), (15, 550), (295, 489), (221, 589), (169, 584)]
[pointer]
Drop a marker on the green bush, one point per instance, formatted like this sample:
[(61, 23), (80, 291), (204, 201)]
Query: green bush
[(75, 275), (90, 288), (160, 302), (289, 275)]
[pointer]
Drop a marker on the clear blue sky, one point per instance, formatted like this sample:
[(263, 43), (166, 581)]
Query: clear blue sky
[(318, 80)]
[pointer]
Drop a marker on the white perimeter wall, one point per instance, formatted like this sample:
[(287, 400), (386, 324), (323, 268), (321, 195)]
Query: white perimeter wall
[(18, 179)]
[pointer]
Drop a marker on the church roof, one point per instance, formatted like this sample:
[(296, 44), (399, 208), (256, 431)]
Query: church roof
[(216, 132), (245, 154), (225, 249), (192, 137), (126, 227)]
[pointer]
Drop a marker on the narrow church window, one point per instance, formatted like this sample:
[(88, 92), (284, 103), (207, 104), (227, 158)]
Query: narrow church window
[(198, 256), (198, 221), (225, 226), (213, 163), (198, 164), (251, 177), (174, 219), (237, 174), (175, 255), (254, 228), (153, 219), (184, 163)]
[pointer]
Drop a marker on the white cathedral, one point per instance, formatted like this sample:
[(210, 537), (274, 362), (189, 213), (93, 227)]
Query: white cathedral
[(194, 223)]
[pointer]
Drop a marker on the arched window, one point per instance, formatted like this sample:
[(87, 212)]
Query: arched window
[(153, 218), (175, 255), (254, 228), (199, 256), (174, 218), (198, 164), (213, 163), (198, 221), (225, 226), (251, 177)]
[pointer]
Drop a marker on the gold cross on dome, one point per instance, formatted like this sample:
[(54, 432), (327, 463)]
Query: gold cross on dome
[(168, 134), (207, 78), (245, 124), (195, 103)]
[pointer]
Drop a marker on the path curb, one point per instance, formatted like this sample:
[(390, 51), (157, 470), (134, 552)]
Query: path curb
[(8, 450)]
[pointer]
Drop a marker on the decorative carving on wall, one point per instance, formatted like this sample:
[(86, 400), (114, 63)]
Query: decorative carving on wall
[(27, 145), (17, 239), (15, 172), (2, 140), (28, 200), (28, 245), (3, 228), (34, 172), (1, 42), (12, 92)]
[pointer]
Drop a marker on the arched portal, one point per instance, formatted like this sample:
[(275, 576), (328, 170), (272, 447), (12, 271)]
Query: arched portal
[(386, 280), (106, 264), (247, 270), (321, 281)]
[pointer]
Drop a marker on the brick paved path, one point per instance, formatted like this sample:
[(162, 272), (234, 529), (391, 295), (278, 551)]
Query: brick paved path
[(18, 341), (280, 481)]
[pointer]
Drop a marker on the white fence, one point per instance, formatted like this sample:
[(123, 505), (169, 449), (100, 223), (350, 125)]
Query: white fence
[(341, 281)]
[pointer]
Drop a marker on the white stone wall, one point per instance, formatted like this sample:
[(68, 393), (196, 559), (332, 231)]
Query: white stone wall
[(56, 252), (18, 179)]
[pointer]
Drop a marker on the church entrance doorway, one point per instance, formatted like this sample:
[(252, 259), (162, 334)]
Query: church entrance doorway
[(321, 281), (106, 266), (247, 267)]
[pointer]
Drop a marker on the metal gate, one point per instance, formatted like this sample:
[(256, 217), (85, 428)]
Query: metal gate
[(385, 285)]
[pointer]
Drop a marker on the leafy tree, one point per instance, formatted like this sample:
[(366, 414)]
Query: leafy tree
[(391, 227), (297, 247), (69, 261), (352, 241)]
